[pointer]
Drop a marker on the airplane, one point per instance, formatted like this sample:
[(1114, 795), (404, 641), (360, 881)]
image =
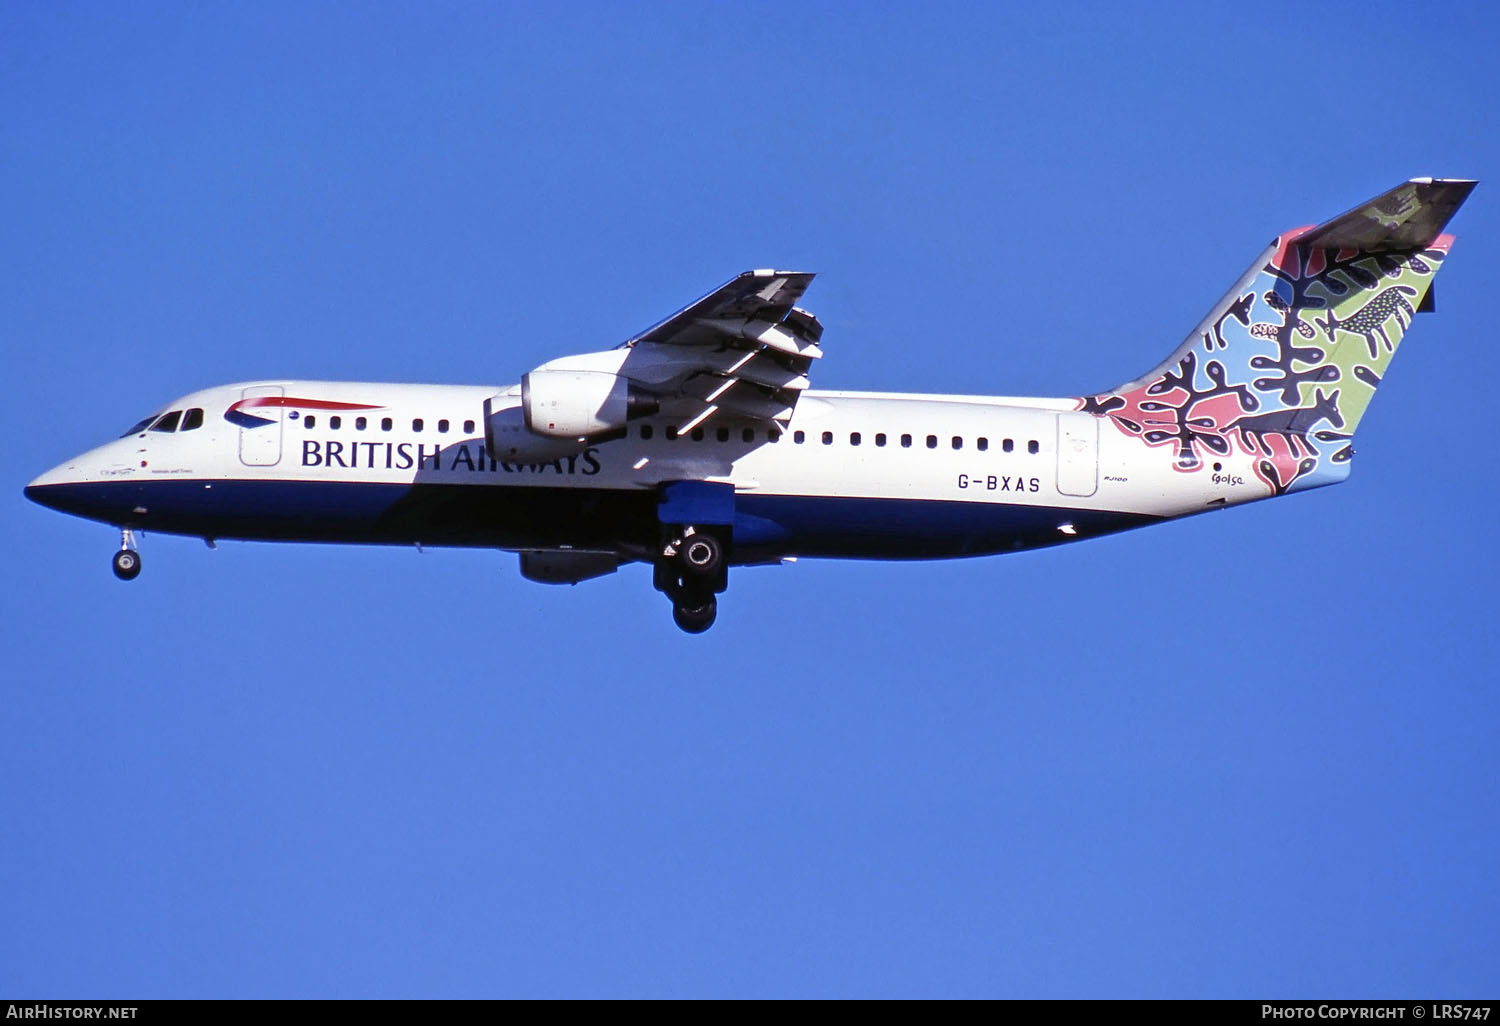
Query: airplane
[(699, 444)]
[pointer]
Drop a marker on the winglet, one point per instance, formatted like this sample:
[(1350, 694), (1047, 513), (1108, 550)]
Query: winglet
[(1408, 217)]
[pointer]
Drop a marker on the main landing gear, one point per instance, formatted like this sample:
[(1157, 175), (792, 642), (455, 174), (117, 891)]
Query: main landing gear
[(691, 570), (127, 562), (695, 619)]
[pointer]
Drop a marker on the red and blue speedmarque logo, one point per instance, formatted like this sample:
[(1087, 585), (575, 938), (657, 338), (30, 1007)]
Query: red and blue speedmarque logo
[(237, 414)]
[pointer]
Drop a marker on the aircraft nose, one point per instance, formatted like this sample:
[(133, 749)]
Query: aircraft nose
[(45, 489), (98, 485)]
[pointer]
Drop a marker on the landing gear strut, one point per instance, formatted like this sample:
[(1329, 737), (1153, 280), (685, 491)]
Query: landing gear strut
[(691, 570), (127, 562)]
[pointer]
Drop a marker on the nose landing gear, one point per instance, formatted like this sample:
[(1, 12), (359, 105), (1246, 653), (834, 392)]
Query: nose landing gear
[(127, 562)]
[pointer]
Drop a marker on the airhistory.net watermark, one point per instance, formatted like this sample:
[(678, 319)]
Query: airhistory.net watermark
[(39, 1010)]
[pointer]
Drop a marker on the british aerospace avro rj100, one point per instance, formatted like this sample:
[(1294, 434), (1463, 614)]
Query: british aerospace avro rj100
[(699, 445)]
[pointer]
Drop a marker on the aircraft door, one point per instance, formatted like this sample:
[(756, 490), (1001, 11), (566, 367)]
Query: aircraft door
[(260, 443), (1077, 454)]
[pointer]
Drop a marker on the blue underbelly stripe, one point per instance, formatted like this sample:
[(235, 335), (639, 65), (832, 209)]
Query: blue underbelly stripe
[(522, 517)]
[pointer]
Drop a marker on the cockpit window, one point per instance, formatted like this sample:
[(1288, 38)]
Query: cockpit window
[(168, 422), (192, 419), (139, 427)]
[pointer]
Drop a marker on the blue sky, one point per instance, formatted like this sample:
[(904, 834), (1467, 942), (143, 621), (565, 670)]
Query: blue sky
[(1248, 754)]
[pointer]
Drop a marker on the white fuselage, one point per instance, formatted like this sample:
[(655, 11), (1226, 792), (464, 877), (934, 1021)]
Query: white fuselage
[(852, 474)]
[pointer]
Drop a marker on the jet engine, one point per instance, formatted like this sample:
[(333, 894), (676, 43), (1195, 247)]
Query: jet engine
[(561, 412), (580, 404)]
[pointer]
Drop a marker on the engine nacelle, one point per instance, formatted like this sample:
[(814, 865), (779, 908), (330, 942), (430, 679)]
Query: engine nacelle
[(508, 440), (579, 404), (565, 406)]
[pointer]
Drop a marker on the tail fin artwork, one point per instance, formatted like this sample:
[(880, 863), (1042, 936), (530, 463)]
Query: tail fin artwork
[(1283, 368)]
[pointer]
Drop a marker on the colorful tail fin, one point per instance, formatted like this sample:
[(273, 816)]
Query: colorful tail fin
[(1285, 365)]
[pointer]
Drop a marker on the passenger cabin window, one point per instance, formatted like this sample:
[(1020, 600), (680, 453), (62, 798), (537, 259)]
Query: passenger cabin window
[(309, 422), (906, 441), (416, 425), (722, 434), (827, 437), (697, 434), (335, 422), (385, 424), (854, 438), (880, 440), (1033, 448), (442, 427), (1008, 445), (773, 435), (799, 437), (671, 432), (982, 444), (646, 431), (192, 419), (932, 441), (958, 443), (360, 423), (747, 435), (468, 427), (168, 422)]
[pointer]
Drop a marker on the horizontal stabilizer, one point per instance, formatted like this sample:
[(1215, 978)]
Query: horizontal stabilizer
[(1408, 217)]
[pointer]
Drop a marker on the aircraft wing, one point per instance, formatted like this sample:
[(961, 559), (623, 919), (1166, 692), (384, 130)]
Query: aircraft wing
[(741, 351)]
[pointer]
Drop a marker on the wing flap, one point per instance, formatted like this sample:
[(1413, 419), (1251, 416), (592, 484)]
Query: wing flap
[(743, 350), (740, 397), (758, 367), (767, 334)]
